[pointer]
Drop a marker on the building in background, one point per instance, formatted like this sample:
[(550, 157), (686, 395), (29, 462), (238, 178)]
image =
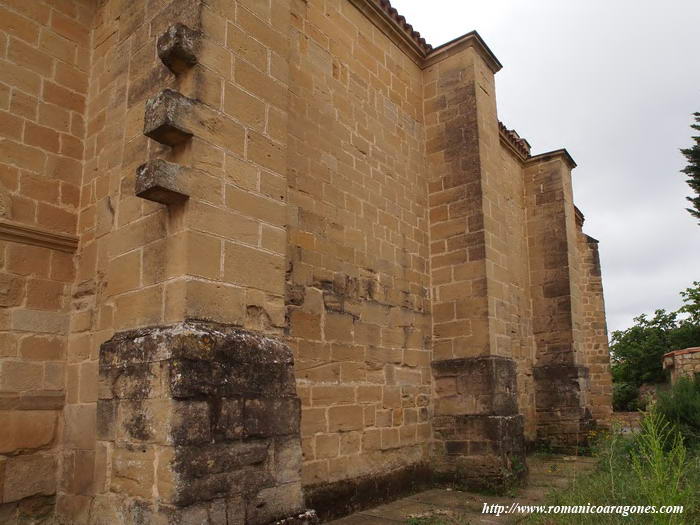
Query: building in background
[(681, 363)]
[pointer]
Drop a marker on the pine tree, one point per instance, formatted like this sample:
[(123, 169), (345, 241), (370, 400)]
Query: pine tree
[(693, 169)]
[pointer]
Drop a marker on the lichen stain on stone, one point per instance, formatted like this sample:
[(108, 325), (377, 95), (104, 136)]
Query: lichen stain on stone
[(138, 425)]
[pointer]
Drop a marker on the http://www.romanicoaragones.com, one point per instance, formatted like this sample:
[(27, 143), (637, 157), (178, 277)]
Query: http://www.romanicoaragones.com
[(622, 510)]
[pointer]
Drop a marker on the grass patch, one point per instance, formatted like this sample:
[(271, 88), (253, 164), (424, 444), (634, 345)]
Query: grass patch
[(652, 467)]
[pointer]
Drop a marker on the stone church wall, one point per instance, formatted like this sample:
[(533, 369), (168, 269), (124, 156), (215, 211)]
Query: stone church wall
[(357, 283), (261, 256), (44, 69)]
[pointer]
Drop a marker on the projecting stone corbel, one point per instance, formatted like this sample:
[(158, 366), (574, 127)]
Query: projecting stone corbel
[(177, 48), (161, 181), (166, 119)]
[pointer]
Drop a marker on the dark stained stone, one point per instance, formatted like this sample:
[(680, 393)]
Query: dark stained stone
[(177, 48)]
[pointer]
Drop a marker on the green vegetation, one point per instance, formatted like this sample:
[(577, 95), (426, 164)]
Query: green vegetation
[(681, 407), (692, 170), (638, 351), (652, 467)]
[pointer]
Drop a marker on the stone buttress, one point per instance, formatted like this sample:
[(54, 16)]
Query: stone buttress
[(478, 430), (259, 257), (198, 419)]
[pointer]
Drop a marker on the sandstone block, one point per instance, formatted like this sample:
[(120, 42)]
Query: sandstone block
[(201, 473), (167, 118), (161, 181), (304, 324), (172, 118), (313, 420), (105, 419), (124, 273), (345, 418), (28, 475), (272, 417), (142, 307), (39, 321), (26, 260), (479, 385), (255, 268), (324, 395), (275, 503), (133, 472), (80, 425), (78, 471), (190, 422), (44, 294), (11, 290), (288, 460), (229, 424), (177, 47), (18, 376), (42, 348), (206, 301), (26, 429), (327, 446)]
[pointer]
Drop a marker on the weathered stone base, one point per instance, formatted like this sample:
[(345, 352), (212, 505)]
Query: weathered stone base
[(481, 452), (564, 421), (479, 435), (111, 508), (335, 500), (200, 424), (485, 385)]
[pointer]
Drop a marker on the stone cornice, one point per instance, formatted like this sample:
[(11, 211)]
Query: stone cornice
[(562, 153), (471, 39), (395, 27), (20, 233)]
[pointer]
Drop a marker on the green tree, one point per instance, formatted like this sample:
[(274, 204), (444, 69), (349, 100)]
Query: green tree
[(692, 155), (691, 298), (637, 352)]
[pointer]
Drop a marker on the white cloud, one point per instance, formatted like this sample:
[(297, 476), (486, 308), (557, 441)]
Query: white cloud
[(616, 83)]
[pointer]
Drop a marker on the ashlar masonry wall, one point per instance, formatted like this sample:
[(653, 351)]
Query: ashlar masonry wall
[(357, 281), (44, 69), (264, 256)]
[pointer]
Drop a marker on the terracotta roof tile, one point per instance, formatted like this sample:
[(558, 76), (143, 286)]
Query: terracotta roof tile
[(520, 144), (386, 6)]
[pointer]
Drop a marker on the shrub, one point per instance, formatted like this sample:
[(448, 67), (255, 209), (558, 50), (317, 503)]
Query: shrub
[(647, 468), (681, 407), (626, 397), (637, 351), (659, 464)]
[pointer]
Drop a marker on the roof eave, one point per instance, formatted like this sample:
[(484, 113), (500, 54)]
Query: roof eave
[(395, 27), (471, 39), (562, 153)]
